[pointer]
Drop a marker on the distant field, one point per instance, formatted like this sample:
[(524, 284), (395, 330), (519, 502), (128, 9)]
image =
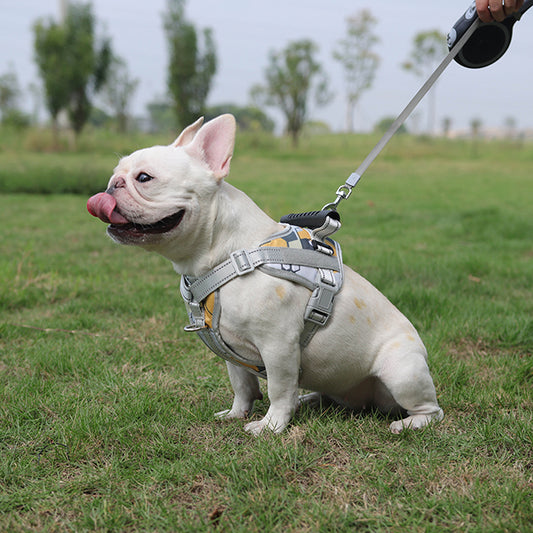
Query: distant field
[(107, 405)]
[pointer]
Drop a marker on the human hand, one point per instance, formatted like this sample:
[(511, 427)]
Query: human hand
[(490, 10)]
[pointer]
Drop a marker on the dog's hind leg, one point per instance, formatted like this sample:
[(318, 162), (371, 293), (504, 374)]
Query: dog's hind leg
[(246, 389), (406, 377)]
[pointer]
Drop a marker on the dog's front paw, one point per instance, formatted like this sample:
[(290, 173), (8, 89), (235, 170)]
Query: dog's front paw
[(256, 428), (232, 413), (267, 423)]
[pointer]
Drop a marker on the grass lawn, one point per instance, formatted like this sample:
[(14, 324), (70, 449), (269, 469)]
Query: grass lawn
[(106, 404)]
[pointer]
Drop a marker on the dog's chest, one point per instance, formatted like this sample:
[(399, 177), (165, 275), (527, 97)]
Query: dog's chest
[(288, 255)]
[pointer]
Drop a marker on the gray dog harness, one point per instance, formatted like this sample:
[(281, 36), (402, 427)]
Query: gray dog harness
[(293, 255)]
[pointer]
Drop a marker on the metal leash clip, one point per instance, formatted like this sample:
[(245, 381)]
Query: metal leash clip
[(344, 191)]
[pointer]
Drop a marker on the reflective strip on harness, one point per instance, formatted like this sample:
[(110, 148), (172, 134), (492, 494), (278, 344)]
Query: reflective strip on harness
[(288, 255)]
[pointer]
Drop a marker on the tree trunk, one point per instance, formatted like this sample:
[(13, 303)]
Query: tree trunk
[(55, 132)]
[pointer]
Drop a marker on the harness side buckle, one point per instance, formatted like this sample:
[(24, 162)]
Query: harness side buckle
[(315, 316), (193, 328), (320, 305), (241, 262)]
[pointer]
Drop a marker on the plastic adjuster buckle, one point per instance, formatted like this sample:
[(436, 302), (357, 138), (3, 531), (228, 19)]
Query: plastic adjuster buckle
[(327, 277), (196, 316), (241, 262), (315, 316), (322, 247)]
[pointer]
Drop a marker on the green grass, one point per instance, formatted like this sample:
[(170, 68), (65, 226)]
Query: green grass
[(29, 164), (106, 405)]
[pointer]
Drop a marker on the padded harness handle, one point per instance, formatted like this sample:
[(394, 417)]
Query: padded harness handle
[(311, 220)]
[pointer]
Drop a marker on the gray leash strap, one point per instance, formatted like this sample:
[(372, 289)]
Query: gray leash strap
[(344, 191)]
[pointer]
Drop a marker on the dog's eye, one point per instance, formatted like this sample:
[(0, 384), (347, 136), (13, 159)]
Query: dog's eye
[(143, 177)]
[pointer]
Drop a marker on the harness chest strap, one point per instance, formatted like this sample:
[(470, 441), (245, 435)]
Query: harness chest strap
[(201, 294), (243, 262)]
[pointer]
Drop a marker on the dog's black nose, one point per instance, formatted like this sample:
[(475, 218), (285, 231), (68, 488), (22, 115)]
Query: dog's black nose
[(116, 183)]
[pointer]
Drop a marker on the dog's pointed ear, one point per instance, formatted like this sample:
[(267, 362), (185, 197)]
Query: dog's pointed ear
[(187, 135), (213, 144)]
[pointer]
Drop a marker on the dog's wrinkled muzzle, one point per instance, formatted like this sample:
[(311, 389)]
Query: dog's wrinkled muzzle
[(103, 206)]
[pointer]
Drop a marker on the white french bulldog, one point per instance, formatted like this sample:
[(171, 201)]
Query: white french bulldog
[(174, 200)]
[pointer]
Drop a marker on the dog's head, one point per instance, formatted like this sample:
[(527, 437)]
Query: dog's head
[(162, 194)]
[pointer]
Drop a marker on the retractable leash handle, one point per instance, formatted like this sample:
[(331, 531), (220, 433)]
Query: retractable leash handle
[(473, 44), (490, 40)]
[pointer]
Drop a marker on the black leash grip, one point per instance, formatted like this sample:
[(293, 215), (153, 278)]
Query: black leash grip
[(311, 220), (488, 42)]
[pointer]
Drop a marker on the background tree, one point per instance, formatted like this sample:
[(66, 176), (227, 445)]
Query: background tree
[(385, 123), (10, 94), (72, 62), (475, 132), (36, 93), (161, 115), (118, 91), (428, 50), (475, 127), (192, 64), (88, 63), (510, 125), (358, 60), (291, 77), (49, 46), (446, 126), (249, 118)]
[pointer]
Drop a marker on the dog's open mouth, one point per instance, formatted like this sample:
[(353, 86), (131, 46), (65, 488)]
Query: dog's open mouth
[(104, 206), (162, 226)]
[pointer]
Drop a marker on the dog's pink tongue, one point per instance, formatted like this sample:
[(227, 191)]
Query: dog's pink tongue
[(102, 205)]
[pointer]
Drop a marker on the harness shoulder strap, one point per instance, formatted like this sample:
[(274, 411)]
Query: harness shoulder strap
[(243, 262)]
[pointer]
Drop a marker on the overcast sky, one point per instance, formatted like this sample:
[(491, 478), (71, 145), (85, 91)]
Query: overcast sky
[(246, 30)]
